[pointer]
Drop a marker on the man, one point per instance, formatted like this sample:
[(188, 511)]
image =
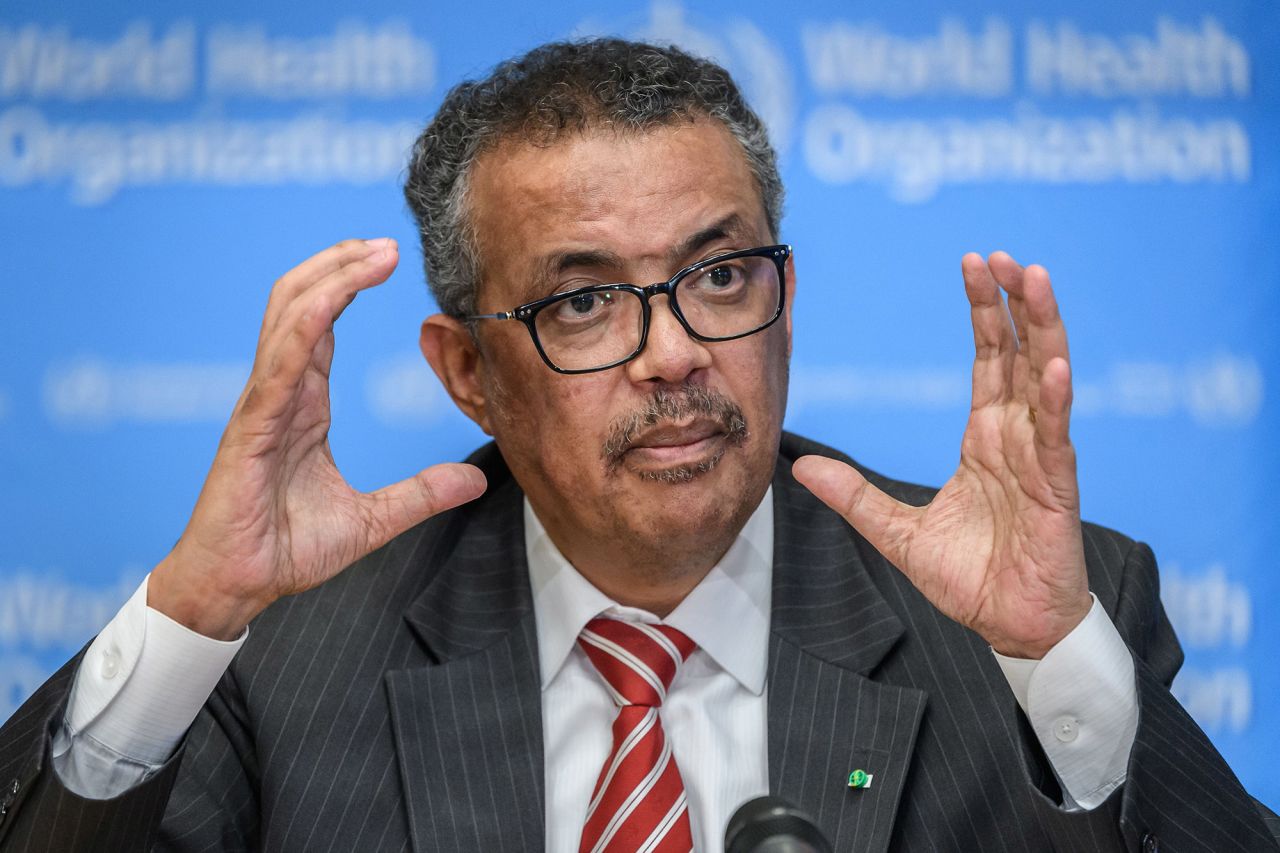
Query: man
[(456, 686)]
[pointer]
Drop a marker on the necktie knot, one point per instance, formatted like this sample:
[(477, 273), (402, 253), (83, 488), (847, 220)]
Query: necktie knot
[(638, 662)]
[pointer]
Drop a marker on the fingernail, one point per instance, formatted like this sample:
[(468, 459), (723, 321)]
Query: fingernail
[(380, 245), (475, 479), (462, 479)]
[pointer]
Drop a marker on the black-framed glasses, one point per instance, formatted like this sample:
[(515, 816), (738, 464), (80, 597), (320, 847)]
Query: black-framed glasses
[(602, 326)]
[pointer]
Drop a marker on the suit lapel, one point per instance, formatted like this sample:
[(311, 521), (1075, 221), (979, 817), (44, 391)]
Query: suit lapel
[(468, 727), (831, 629)]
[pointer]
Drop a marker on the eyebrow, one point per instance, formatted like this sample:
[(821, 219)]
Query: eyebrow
[(557, 262), (730, 226)]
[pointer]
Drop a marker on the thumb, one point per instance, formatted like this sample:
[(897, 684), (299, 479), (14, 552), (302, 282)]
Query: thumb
[(395, 508), (884, 522)]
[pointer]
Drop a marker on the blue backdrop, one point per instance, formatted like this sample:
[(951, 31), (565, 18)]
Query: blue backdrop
[(162, 164)]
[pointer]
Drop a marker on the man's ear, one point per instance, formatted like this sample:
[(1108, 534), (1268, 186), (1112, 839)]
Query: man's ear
[(454, 356)]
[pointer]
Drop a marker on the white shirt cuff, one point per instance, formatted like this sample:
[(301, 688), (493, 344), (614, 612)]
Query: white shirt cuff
[(1082, 701), (137, 691)]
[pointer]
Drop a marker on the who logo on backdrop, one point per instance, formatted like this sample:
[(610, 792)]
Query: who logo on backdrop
[(740, 44)]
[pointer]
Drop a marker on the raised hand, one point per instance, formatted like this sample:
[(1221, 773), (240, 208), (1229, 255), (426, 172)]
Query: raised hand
[(999, 549), (275, 517)]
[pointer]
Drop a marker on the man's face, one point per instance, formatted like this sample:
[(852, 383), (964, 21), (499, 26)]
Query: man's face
[(668, 453)]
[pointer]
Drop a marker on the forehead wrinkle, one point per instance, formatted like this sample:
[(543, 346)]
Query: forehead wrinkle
[(554, 263), (579, 197)]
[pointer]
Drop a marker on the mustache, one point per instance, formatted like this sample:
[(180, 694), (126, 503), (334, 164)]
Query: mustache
[(673, 405)]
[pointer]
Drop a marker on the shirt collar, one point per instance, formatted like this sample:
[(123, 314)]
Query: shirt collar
[(726, 614)]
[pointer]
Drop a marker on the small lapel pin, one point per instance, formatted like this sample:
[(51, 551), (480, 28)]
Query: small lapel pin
[(860, 779)]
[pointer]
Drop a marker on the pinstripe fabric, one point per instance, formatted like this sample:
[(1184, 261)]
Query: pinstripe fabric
[(51, 818), (397, 708), (974, 779)]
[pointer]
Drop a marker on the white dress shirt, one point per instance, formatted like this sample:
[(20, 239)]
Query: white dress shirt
[(722, 756), (1082, 702), (145, 677)]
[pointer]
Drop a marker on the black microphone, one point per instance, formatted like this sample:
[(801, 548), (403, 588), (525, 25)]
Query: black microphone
[(772, 825)]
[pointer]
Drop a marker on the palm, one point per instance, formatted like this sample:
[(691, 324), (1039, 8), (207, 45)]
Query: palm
[(999, 548), (275, 516), (316, 528)]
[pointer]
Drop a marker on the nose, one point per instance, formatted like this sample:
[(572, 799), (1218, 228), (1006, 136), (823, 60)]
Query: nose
[(669, 354)]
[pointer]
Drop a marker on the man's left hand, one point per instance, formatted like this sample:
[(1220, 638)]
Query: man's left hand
[(999, 548)]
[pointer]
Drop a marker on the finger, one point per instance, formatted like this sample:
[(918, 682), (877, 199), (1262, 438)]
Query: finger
[(1054, 451), (886, 523), (1043, 334), (1025, 381), (313, 269), (993, 341), (303, 331), (325, 300), (1008, 274), (304, 275), (1046, 333), (394, 509)]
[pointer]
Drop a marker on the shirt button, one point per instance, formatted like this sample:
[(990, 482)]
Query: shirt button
[(1065, 729), (110, 664)]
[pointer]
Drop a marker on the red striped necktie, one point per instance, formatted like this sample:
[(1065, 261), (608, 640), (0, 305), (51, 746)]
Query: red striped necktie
[(639, 803)]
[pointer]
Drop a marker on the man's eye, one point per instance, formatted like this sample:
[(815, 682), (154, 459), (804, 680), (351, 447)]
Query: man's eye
[(721, 277), (583, 306)]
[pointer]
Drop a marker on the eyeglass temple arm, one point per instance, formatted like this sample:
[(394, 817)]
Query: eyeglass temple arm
[(501, 315)]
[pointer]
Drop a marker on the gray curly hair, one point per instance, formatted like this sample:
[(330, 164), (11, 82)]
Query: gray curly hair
[(558, 89)]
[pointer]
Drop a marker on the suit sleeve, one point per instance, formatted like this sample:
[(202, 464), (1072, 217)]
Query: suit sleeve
[(37, 812), (201, 799), (1179, 793)]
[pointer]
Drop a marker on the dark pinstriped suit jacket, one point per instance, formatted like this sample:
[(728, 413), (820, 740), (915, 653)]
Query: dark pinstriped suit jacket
[(398, 708)]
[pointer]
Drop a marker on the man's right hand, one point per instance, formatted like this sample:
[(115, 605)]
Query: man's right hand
[(275, 517)]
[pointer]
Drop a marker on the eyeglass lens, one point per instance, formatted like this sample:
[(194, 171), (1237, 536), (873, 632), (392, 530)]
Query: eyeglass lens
[(600, 327)]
